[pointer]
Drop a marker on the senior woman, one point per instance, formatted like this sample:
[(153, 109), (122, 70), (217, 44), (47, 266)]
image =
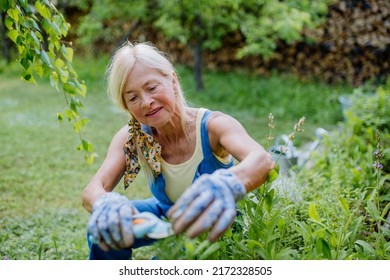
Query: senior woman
[(186, 154)]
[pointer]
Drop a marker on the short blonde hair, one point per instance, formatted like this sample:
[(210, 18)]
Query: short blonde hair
[(124, 60)]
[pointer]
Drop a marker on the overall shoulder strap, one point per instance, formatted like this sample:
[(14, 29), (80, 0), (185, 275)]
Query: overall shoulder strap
[(204, 134), (147, 129)]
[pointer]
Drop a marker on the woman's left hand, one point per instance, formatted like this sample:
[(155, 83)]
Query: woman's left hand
[(208, 204)]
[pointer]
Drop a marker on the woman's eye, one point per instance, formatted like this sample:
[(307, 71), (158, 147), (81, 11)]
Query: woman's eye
[(133, 98), (152, 88)]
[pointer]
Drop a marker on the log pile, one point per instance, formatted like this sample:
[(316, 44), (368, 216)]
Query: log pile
[(352, 46)]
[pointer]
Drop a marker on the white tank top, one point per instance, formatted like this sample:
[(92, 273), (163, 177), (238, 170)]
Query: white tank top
[(178, 177)]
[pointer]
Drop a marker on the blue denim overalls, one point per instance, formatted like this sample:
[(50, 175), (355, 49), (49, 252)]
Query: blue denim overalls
[(159, 204)]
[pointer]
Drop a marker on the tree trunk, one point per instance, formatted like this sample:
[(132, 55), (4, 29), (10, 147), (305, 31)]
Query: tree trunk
[(197, 54), (125, 37), (4, 38)]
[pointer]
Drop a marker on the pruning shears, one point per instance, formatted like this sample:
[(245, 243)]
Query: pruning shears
[(146, 224)]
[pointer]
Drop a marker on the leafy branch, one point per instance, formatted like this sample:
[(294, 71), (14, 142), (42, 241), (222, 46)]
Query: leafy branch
[(39, 33)]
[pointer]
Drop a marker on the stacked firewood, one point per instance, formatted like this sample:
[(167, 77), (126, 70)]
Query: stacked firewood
[(352, 46)]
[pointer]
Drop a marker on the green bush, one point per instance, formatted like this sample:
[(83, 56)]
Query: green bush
[(334, 208)]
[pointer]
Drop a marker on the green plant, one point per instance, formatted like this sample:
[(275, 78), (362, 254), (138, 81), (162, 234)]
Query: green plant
[(38, 31), (334, 209)]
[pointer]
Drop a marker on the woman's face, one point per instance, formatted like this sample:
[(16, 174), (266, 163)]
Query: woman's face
[(150, 96)]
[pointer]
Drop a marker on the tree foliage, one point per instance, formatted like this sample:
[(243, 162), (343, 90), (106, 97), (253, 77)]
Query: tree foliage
[(110, 21), (203, 25), (39, 30), (264, 22)]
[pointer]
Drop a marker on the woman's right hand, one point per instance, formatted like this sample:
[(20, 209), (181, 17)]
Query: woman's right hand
[(110, 224)]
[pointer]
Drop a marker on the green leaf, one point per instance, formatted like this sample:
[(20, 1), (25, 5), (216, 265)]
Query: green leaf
[(13, 35), (313, 212), (87, 146), (4, 5), (76, 103), (189, 246), (25, 63), (63, 74), (373, 210), (229, 232), (8, 23), (42, 10), (272, 176), (54, 27), (39, 69), (59, 63), (253, 243), (25, 6), (81, 88), (79, 124), (210, 250), (344, 203), (67, 53), (28, 77), (281, 224), (69, 114), (62, 25), (54, 80), (33, 24), (385, 210), (366, 247), (46, 25), (70, 88), (326, 249), (201, 247), (333, 240), (14, 14), (35, 38), (269, 200), (89, 158), (45, 59), (60, 117)]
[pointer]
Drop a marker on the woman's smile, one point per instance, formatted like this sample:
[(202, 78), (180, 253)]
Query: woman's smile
[(154, 112)]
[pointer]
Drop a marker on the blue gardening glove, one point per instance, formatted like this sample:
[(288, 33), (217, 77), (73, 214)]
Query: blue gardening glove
[(208, 204), (110, 224)]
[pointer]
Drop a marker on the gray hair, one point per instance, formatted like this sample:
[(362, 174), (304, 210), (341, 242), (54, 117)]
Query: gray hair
[(124, 60)]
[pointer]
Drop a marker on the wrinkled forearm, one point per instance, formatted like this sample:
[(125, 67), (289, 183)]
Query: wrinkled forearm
[(253, 170), (91, 193)]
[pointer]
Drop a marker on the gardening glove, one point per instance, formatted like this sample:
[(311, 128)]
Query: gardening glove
[(110, 224), (209, 203)]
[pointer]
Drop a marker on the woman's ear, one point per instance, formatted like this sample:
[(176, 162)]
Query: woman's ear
[(174, 81)]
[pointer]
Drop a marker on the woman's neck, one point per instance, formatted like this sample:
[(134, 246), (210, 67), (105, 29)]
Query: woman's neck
[(173, 131)]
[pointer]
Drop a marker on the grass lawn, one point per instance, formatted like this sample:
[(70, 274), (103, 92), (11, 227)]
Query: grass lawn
[(42, 173)]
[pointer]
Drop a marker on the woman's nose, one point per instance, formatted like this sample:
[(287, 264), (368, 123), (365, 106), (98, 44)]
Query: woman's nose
[(147, 100)]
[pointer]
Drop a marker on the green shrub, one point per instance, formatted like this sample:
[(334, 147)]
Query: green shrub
[(334, 209)]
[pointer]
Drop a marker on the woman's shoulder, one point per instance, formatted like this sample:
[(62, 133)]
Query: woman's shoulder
[(218, 118), (121, 135), (214, 119), (221, 124)]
